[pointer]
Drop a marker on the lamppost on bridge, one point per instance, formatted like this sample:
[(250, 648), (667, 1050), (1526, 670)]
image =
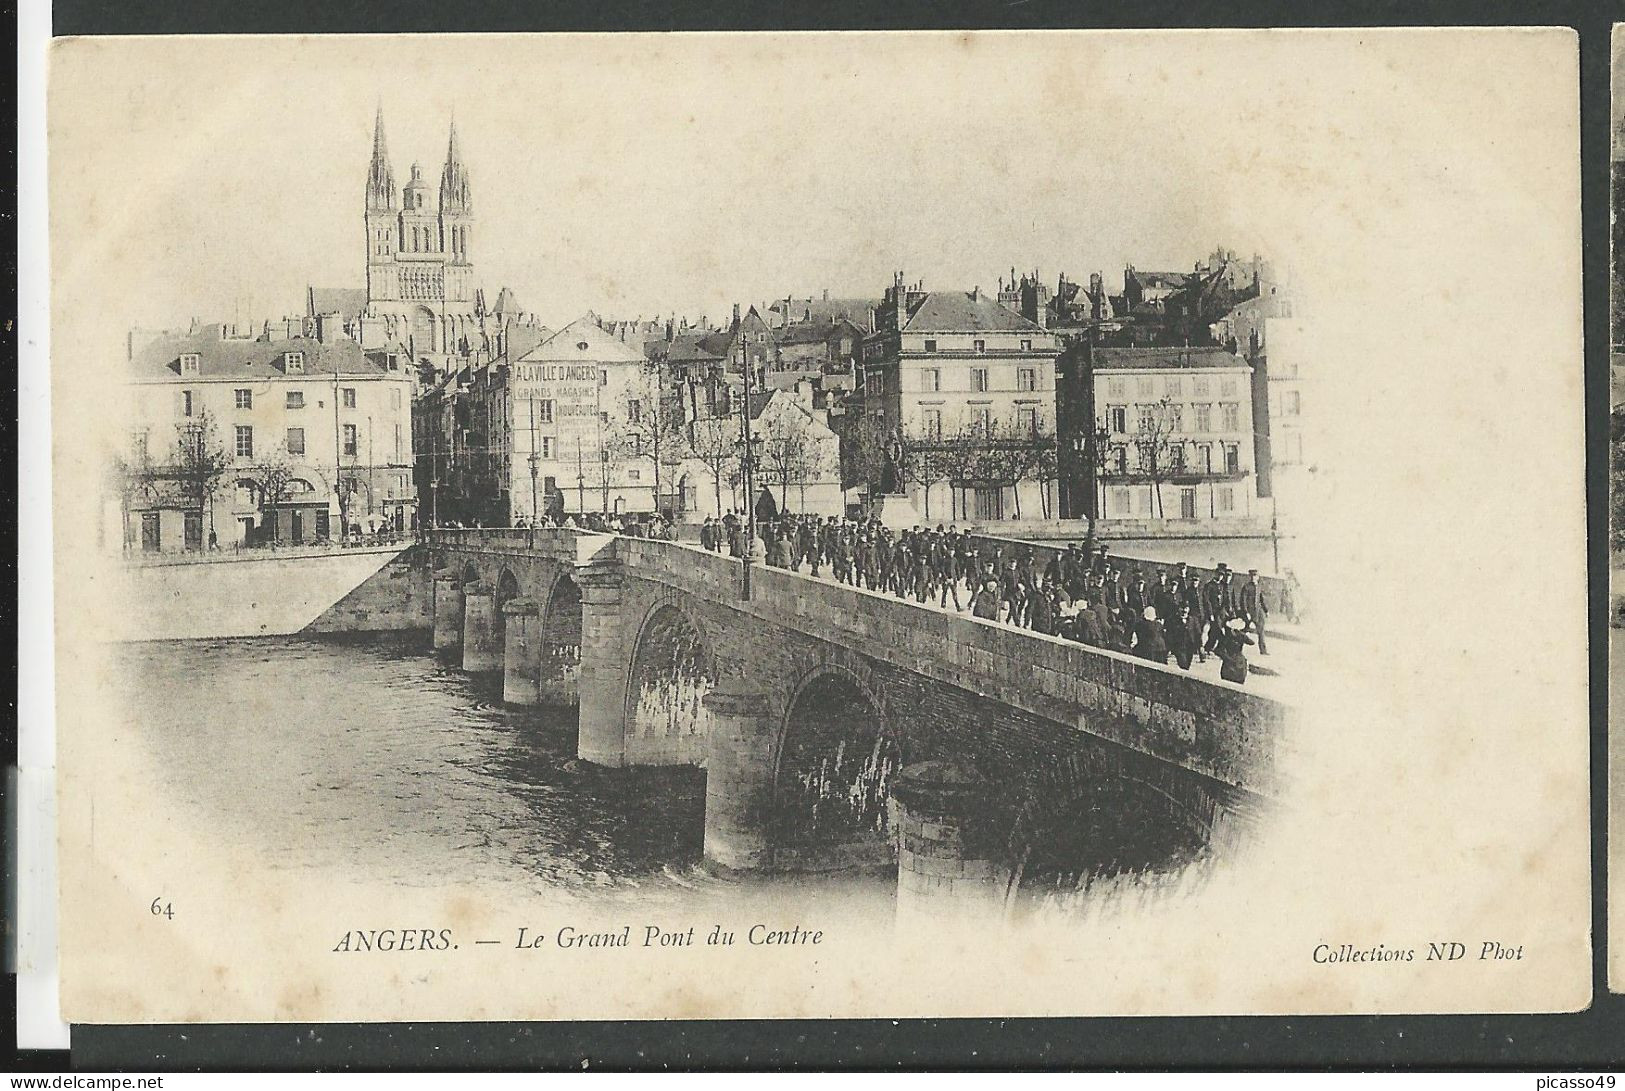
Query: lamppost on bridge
[(533, 460), (748, 458)]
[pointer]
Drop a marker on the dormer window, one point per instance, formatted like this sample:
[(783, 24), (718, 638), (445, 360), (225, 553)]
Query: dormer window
[(189, 363), (293, 363)]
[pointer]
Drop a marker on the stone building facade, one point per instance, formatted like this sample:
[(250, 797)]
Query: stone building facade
[(313, 431), (420, 273)]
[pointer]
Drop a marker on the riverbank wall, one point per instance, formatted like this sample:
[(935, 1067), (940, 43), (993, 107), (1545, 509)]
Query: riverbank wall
[(282, 593)]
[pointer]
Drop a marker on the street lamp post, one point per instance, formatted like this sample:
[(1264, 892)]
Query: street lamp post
[(533, 469), (581, 483), (749, 458)]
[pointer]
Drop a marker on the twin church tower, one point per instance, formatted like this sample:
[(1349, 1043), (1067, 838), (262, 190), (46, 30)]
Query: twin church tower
[(420, 283)]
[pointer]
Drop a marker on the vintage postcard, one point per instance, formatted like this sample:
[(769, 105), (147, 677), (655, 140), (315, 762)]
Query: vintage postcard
[(819, 525)]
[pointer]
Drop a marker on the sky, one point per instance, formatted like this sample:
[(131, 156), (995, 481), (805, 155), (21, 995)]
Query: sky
[(652, 174)]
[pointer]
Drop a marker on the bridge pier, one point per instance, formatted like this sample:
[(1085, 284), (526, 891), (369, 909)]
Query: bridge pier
[(738, 781), (559, 668), (479, 629), (521, 647), (448, 612), (945, 865), (601, 681)]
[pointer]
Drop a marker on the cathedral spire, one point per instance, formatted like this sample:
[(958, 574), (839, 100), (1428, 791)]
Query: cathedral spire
[(380, 178), (455, 195)]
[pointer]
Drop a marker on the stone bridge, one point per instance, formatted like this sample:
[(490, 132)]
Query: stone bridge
[(839, 726)]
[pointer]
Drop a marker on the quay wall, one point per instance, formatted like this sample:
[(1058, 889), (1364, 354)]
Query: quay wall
[(371, 589)]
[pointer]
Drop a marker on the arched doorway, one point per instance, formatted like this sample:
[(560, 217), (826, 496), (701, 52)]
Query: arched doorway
[(672, 671), (836, 763)]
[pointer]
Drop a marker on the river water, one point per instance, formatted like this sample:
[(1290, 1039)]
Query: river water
[(367, 755)]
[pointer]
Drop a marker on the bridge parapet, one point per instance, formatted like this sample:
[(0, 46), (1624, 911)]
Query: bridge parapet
[(1274, 586), (1218, 729), (564, 544)]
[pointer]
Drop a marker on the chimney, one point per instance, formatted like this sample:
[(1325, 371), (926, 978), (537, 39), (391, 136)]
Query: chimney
[(826, 295), (976, 292), (736, 314), (327, 328)]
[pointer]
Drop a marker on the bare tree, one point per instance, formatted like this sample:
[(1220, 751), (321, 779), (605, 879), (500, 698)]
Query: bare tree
[(273, 479), (200, 462), (790, 451), (713, 441), (1043, 467), (865, 441), (957, 462), (132, 475), (645, 429), (1000, 457), (1156, 445), (927, 461)]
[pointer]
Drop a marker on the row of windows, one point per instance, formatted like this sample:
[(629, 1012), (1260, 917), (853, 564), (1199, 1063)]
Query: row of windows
[(543, 409), (1171, 386), (1117, 417), (978, 344), (294, 441), (1142, 501), (1199, 460), (1029, 421), (243, 398), (422, 238), (980, 380)]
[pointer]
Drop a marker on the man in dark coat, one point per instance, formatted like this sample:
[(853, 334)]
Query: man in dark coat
[(944, 562), (1181, 643), (1254, 609), (1106, 623), (1219, 606), (1135, 599), (1164, 598), (1193, 607), (807, 535)]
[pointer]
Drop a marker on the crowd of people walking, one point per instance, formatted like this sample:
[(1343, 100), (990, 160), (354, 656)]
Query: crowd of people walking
[(1173, 614)]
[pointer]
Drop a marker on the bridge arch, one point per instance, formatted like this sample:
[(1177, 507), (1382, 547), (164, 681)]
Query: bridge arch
[(672, 669), (470, 573), (1102, 813), (560, 639), (504, 592), (836, 756)]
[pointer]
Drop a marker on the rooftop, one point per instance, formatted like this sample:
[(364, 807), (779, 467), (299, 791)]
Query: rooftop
[(1106, 359), (241, 358), (965, 312)]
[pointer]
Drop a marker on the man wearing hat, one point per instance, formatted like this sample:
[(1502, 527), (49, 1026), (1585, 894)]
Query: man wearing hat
[(1219, 605), (1194, 610), (1254, 610)]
